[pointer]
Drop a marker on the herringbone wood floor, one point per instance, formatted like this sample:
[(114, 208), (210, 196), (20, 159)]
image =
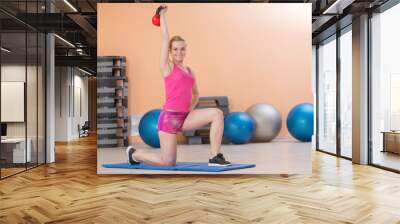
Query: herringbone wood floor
[(70, 191)]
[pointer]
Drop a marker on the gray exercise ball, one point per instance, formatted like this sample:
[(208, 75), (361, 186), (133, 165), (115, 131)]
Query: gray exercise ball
[(268, 122)]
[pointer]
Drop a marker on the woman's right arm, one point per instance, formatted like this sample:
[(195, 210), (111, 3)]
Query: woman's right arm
[(164, 65)]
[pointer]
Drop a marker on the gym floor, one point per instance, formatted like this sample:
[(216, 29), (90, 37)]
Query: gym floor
[(270, 158)]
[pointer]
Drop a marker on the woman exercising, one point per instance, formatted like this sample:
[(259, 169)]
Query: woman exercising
[(178, 112)]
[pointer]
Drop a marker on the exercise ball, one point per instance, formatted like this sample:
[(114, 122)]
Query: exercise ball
[(300, 122), (238, 127), (267, 120), (148, 128)]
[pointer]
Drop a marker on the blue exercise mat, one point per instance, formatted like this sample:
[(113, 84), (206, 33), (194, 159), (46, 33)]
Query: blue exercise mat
[(183, 166)]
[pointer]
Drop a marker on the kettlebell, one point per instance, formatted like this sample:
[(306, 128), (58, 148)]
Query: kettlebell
[(156, 18)]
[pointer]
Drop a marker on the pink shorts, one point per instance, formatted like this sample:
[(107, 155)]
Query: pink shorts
[(171, 121)]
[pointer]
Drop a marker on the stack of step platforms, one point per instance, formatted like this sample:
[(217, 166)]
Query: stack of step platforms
[(112, 102), (202, 135)]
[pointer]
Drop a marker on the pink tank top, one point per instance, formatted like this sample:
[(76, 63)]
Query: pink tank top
[(178, 90)]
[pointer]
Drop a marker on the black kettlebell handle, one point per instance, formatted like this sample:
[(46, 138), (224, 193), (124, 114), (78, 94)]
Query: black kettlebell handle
[(159, 9)]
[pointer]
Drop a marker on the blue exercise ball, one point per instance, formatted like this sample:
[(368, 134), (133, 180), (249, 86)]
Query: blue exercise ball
[(239, 127), (300, 122), (148, 128)]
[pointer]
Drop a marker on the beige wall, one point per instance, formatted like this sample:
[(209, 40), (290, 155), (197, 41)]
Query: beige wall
[(251, 53)]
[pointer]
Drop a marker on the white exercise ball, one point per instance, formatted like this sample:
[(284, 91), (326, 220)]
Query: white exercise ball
[(268, 122)]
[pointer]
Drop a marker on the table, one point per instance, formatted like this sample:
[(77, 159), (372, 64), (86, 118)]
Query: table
[(13, 150), (391, 141)]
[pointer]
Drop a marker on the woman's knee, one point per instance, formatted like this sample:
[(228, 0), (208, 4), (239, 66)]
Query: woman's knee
[(218, 114), (168, 162)]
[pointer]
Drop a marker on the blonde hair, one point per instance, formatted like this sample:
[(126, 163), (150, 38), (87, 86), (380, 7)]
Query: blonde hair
[(174, 38)]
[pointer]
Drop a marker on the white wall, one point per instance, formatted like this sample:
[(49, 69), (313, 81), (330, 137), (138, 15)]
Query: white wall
[(34, 125), (79, 117), (70, 84), (62, 80), (12, 73)]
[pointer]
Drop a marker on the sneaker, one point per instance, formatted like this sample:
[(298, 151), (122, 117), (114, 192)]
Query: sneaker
[(129, 152), (218, 160)]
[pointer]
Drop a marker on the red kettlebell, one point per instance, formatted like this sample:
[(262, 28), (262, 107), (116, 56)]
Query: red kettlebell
[(156, 18)]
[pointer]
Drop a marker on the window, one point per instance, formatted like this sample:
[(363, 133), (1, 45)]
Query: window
[(346, 92), (327, 95), (385, 89)]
